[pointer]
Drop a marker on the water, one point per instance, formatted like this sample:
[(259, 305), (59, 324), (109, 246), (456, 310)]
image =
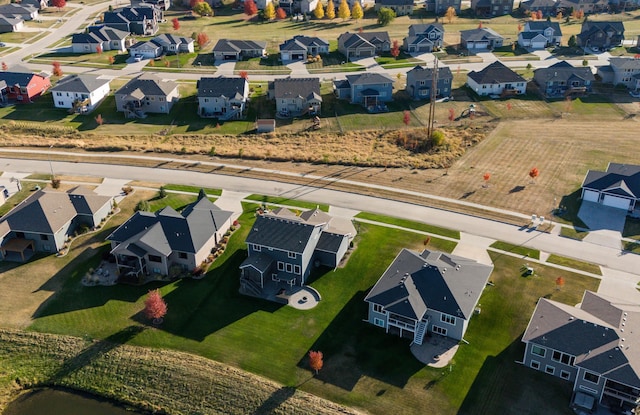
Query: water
[(60, 402)]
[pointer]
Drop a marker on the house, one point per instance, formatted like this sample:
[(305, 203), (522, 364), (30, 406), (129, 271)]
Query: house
[(622, 71), (491, 8), (480, 39), (11, 24), (602, 35), (140, 20), (424, 38), (45, 220), (587, 6), (439, 7), (618, 186), (420, 82), (234, 50), (539, 34), (363, 45), (22, 85), (161, 4), (296, 96), (38, 4), (546, 7), (299, 47), (106, 38), (172, 44), (146, 93), (283, 248), (262, 4), (26, 12), (80, 93), (496, 79), (222, 98), (146, 49), (400, 7), (592, 345), (424, 293), (370, 90), (153, 243), (563, 80)]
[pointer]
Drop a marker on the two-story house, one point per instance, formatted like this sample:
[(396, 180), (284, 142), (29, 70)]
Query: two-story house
[(420, 82), (586, 6), (563, 80), (223, 98), (439, 7), (546, 7), (371, 90), (592, 345), (363, 45), (140, 20), (480, 39), (400, 7), (146, 93), (299, 47), (496, 79), (80, 93), (424, 38), (296, 96), (539, 34), (491, 8), (601, 35), (22, 85), (103, 37), (427, 293), (622, 71)]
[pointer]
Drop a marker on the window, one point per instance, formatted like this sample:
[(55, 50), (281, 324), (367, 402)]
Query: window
[(182, 255), (297, 270), (564, 374), (256, 248), (378, 308), (161, 99), (591, 377), (58, 94), (550, 369), (378, 322), (439, 330), (563, 358), (289, 268), (274, 277), (206, 100), (538, 351), (44, 237), (155, 258), (280, 266), (445, 318), (60, 103), (535, 364), (291, 254)]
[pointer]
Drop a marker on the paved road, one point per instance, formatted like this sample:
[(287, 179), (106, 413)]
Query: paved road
[(551, 243)]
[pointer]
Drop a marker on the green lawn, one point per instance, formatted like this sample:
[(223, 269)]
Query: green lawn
[(631, 228), (25, 192), (516, 249), (575, 264), (176, 200), (409, 224), (402, 61), (263, 66), (287, 202), (193, 189), (573, 233)]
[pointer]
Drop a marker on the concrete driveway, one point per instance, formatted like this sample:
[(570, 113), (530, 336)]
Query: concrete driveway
[(474, 247), (620, 285), (298, 68), (369, 63), (225, 67), (597, 216)]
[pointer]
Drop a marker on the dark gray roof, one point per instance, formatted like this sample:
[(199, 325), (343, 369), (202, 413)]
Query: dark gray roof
[(167, 230), (329, 242), (150, 44), (620, 179), (171, 39), (483, 33), (148, 84), (539, 4), (307, 88), (10, 20), (369, 78), (419, 29), (495, 73), (19, 76), (531, 35), (280, 233), (259, 261), (228, 45), (98, 34), (562, 71), (394, 2), (625, 63), (300, 42), (354, 40), (433, 280), (590, 25), (17, 8), (422, 73), (79, 83), (541, 25), (222, 87)]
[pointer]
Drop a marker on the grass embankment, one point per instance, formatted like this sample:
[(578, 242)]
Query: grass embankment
[(409, 224), (573, 233), (156, 380), (575, 264), (516, 249)]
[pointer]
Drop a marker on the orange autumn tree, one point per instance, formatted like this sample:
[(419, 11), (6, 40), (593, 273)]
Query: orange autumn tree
[(486, 178), (559, 283), (315, 360), (534, 173), (154, 306)]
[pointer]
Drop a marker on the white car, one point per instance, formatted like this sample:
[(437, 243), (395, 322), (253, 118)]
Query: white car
[(137, 58)]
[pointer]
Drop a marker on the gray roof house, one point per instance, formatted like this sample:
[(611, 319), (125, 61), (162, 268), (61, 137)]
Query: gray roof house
[(101, 36), (424, 293), (400, 7), (38, 4), (496, 79), (420, 82), (11, 24), (363, 45), (622, 71), (139, 20), (480, 39), (600, 34), (45, 220), (146, 93), (547, 7), (587, 6), (172, 44), (146, 49), (80, 93), (618, 186), (283, 248), (223, 98), (299, 47), (296, 96), (539, 34), (439, 7), (491, 8), (563, 80), (424, 38), (152, 243), (592, 345), (233, 50), (26, 11), (370, 90)]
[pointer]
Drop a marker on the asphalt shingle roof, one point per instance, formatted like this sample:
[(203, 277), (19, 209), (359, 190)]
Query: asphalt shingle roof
[(282, 234), (222, 87), (625, 178), (227, 45), (307, 88), (148, 84), (79, 83), (562, 71), (483, 33), (495, 73)]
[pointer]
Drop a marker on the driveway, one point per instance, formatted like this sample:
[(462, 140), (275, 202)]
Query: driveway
[(474, 247), (597, 216), (298, 68), (620, 285), (10, 181), (225, 67), (369, 63)]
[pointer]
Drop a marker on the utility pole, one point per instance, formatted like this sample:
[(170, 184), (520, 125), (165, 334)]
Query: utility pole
[(433, 96)]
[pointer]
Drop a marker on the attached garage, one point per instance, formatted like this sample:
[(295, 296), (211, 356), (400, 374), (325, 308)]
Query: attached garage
[(616, 202), (590, 196)]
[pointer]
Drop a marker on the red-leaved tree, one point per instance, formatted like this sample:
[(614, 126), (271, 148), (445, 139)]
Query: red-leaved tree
[(192, 3), (112, 59), (480, 25), (244, 75), (202, 39), (406, 117), (60, 4), (154, 306), (57, 70), (395, 49), (4, 66), (175, 23), (250, 8), (534, 172), (509, 106), (559, 283), (99, 119), (452, 114), (99, 50), (281, 13), (315, 360), (519, 28), (486, 178)]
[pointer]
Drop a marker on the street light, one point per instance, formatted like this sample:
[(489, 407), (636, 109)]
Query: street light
[(51, 164)]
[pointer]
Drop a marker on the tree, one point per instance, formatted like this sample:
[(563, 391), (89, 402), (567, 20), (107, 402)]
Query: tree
[(572, 42), (318, 12), (282, 14), (202, 39), (175, 23), (395, 49), (509, 106), (343, 10), (450, 14), (154, 306), (99, 119), (519, 28), (112, 60), (486, 178), (57, 70), (162, 192), (4, 66), (452, 114), (244, 75), (385, 16), (203, 9), (60, 4), (331, 10), (99, 50), (559, 283), (533, 173), (201, 193), (480, 25), (406, 117), (250, 8), (270, 11), (315, 360), (356, 11)]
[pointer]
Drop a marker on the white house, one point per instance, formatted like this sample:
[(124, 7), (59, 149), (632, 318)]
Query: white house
[(82, 93), (496, 79)]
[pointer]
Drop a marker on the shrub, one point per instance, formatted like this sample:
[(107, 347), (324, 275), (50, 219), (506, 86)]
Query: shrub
[(438, 138), (142, 205), (127, 189)]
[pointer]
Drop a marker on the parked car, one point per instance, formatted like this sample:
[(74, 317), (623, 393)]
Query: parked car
[(635, 94)]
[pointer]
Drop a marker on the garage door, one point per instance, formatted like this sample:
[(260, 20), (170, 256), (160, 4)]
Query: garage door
[(297, 56), (229, 57), (590, 196), (616, 202)]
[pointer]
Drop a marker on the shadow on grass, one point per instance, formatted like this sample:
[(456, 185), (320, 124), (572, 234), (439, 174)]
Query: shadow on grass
[(353, 348), (569, 208), (275, 400)]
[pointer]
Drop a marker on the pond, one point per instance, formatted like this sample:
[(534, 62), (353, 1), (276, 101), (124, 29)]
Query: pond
[(56, 401)]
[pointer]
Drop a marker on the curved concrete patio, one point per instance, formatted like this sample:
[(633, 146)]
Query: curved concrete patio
[(305, 298), (435, 351)]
